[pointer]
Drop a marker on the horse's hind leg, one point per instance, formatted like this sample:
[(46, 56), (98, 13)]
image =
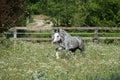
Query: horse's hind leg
[(66, 53), (82, 50), (73, 51)]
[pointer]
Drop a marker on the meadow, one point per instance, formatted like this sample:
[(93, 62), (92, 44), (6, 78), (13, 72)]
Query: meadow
[(22, 60)]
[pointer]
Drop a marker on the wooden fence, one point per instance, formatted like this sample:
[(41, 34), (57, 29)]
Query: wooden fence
[(95, 32)]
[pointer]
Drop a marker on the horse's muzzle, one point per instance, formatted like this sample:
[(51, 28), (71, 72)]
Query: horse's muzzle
[(53, 42)]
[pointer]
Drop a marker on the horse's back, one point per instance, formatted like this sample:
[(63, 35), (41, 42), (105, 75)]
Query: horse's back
[(72, 42)]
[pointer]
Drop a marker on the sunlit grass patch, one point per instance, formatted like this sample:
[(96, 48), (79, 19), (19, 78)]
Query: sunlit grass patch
[(23, 60)]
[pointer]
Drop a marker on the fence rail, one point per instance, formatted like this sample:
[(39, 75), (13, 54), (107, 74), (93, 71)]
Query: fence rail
[(49, 39), (88, 28), (95, 32), (70, 28)]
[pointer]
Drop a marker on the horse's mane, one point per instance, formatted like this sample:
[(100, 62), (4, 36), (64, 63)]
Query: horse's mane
[(63, 32)]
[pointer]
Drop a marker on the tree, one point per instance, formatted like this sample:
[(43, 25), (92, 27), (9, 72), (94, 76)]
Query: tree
[(103, 13), (78, 12), (10, 11)]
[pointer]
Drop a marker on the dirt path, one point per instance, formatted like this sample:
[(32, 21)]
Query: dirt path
[(39, 22)]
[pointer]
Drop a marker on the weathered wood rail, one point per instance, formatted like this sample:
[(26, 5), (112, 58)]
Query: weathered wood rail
[(95, 32)]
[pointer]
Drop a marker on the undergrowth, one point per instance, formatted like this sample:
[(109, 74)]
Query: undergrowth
[(21, 60)]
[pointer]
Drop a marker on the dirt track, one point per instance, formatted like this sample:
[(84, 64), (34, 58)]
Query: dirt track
[(40, 22)]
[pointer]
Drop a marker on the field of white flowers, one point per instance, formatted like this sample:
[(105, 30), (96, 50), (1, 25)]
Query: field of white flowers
[(23, 60)]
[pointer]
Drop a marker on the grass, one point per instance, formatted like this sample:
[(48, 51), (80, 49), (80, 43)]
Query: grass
[(23, 60)]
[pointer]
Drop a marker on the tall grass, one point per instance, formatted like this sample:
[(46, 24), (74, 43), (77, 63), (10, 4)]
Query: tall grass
[(23, 60)]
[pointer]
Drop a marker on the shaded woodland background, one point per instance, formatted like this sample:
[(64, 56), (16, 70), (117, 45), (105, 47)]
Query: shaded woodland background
[(63, 13)]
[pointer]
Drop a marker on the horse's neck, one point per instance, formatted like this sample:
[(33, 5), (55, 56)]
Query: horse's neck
[(62, 43), (64, 36), (68, 35)]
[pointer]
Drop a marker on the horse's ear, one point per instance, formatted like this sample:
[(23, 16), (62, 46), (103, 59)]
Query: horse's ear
[(54, 30), (58, 30)]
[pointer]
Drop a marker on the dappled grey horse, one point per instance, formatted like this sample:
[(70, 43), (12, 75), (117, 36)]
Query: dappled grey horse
[(67, 42)]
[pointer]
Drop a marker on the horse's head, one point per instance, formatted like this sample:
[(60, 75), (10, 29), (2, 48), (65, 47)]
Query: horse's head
[(56, 36)]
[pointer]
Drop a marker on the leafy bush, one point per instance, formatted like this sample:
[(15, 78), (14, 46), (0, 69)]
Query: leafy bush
[(21, 21), (79, 12)]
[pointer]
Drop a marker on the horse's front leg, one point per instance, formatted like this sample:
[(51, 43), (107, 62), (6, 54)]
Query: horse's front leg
[(57, 51)]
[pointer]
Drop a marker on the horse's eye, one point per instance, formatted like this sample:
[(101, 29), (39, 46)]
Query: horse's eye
[(57, 36)]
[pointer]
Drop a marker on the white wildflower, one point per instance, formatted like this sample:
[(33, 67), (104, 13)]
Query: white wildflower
[(29, 71)]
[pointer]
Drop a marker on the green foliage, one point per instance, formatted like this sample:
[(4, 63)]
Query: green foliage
[(78, 12), (41, 75), (103, 13), (21, 21)]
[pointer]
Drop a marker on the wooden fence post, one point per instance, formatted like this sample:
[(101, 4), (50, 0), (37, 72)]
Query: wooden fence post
[(95, 38), (14, 38), (15, 34)]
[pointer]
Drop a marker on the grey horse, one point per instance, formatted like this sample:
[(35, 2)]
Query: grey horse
[(67, 42)]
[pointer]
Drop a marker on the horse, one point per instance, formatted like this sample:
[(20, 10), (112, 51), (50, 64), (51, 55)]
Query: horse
[(67, 42)]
